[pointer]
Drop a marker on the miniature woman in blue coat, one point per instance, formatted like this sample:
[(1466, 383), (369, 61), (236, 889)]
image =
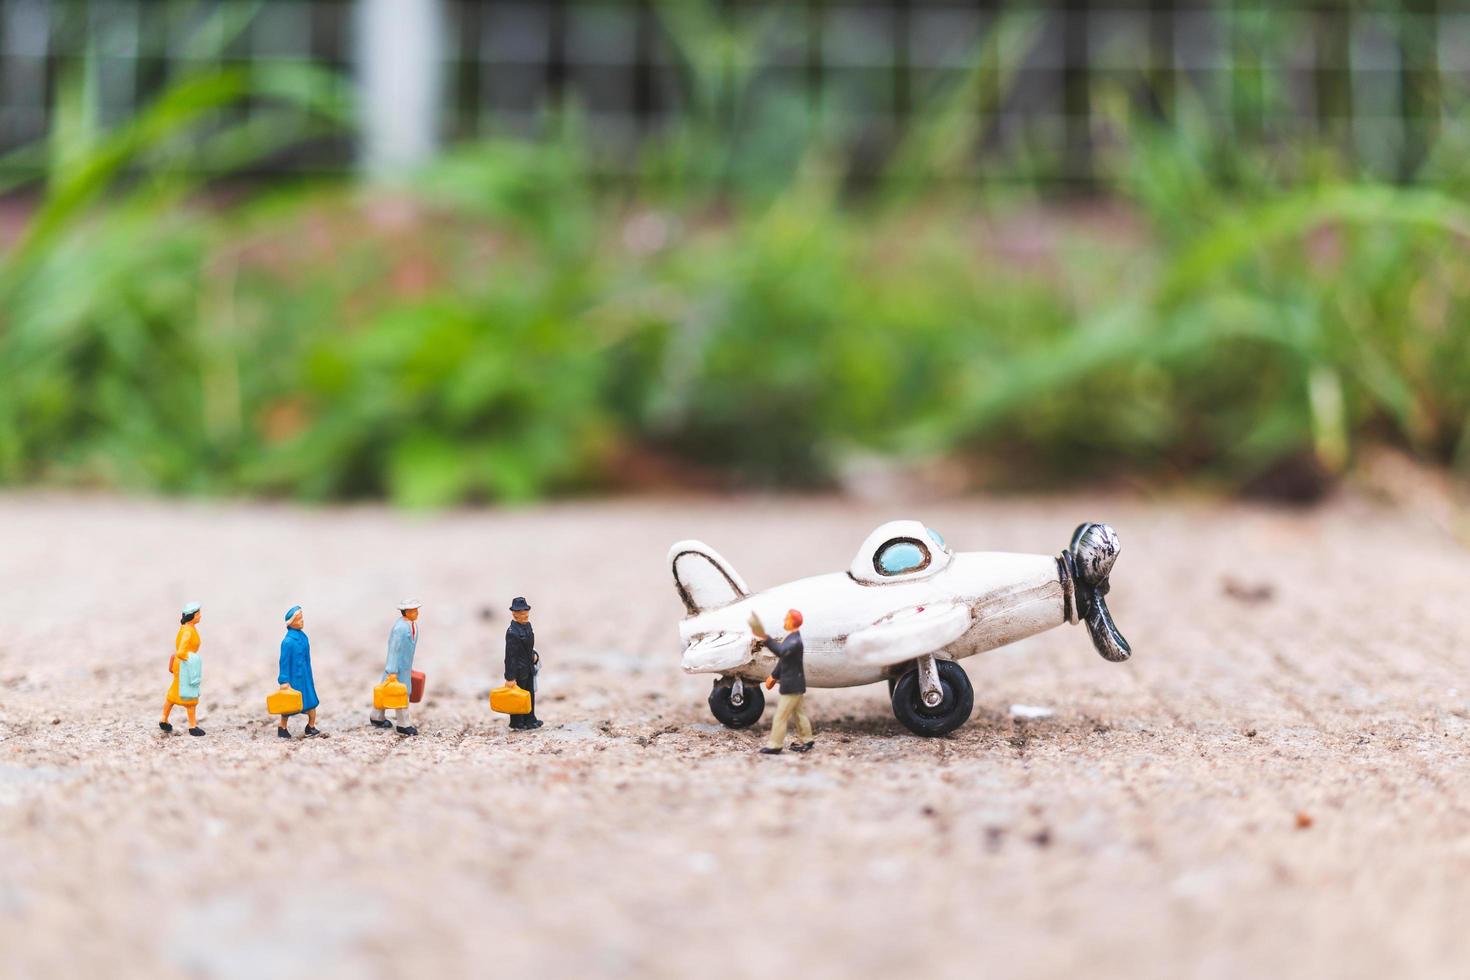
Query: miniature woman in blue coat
[(296, 671)]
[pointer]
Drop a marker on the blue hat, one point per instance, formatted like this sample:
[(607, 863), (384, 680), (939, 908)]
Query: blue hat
[(519, 604), (189, 609), (291, 613)]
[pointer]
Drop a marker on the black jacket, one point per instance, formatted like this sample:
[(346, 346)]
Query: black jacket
[(789, 669), (520, 654)]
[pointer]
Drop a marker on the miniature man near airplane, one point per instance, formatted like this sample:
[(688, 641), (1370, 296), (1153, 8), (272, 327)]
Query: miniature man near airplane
[(791, 672)]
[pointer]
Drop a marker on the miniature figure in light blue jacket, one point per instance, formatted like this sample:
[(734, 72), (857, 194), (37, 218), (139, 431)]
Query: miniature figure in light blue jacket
[(402, 642)]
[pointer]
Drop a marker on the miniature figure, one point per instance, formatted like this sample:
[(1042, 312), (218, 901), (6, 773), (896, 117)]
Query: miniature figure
[(402, 642), (904, 611), (790, 671), (522, 662), (188, 670), (295, 673)]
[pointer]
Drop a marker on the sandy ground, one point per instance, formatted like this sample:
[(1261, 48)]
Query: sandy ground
[(1275, 785)]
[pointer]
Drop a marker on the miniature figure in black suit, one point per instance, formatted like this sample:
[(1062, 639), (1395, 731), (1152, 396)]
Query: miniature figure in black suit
[(791, 672), (521, 659)]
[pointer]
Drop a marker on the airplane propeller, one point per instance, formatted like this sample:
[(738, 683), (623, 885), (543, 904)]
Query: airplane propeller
[(1091, 554)]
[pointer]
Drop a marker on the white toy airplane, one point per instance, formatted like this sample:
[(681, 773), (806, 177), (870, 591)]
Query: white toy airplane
[(904, 611)]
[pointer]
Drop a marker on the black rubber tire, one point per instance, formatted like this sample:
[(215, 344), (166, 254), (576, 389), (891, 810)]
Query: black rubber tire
[(953, 711), (731, 716)]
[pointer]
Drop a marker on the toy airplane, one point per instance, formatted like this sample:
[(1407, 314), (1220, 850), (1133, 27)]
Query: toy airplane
[(904, 611)]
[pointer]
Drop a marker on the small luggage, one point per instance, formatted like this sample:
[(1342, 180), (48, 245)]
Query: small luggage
[(287, 702), (510, 700), (416, 689), (191, 674), (390, 694)]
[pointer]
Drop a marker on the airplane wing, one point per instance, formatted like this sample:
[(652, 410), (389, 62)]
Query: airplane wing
[(714, 652), (910, 633)]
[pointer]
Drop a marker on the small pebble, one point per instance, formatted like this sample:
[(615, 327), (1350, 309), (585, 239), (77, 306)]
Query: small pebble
[(1250, 593)]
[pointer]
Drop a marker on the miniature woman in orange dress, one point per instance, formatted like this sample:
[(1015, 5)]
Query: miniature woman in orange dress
[(187, 669)]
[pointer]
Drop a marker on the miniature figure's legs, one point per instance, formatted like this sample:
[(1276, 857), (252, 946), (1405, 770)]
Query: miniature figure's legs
[(803, 723), (190, 708), (378, 714), (400, 717), (168, 709), (529, 719), (790, 704), (311, 718)]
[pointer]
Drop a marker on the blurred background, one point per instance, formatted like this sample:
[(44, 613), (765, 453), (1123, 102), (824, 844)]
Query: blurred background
[(438, 251)]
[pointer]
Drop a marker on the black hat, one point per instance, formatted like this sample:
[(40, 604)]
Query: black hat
[(519, 604)]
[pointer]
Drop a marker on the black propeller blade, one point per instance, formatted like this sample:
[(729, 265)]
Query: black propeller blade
[(1093, 551)]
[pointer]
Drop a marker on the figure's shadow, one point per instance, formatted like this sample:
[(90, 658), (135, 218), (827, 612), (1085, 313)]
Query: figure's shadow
[(983, 721)]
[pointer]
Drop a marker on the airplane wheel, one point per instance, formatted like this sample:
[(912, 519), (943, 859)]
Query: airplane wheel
[(952, 712), (737, 716)]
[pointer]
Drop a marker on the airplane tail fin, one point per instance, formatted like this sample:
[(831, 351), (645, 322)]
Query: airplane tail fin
[(703, 578)]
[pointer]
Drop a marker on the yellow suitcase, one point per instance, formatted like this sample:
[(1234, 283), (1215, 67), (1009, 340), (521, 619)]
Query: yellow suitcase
[(510, 700), (287, 702), (390, 694)]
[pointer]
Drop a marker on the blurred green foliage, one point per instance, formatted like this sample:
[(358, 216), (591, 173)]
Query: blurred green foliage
[(505, 326)]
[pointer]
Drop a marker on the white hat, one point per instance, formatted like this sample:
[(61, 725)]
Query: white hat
[(409, 604), (189, 609)]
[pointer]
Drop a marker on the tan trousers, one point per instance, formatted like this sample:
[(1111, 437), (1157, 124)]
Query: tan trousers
[(790, 705)]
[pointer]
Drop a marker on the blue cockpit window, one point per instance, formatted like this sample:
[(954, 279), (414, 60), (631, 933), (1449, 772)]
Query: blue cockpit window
[(937, 539), (898, 557)]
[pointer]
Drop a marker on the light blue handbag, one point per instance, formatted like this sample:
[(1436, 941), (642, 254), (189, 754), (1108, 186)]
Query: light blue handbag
[(191, 672)]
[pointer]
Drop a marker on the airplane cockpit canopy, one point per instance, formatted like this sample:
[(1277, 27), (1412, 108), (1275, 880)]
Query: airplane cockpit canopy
[(900, 551)]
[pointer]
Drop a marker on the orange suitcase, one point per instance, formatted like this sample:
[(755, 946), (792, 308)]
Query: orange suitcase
[(510, 700), (390, 694), (287, 702)]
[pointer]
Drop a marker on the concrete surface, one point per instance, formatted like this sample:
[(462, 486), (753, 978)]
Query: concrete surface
[(1275, 785)]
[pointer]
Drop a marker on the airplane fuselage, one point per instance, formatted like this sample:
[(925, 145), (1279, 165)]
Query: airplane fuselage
[(1011, 596)]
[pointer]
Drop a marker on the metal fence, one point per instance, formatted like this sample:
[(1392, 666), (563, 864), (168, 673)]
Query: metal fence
[(1380, 80)]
